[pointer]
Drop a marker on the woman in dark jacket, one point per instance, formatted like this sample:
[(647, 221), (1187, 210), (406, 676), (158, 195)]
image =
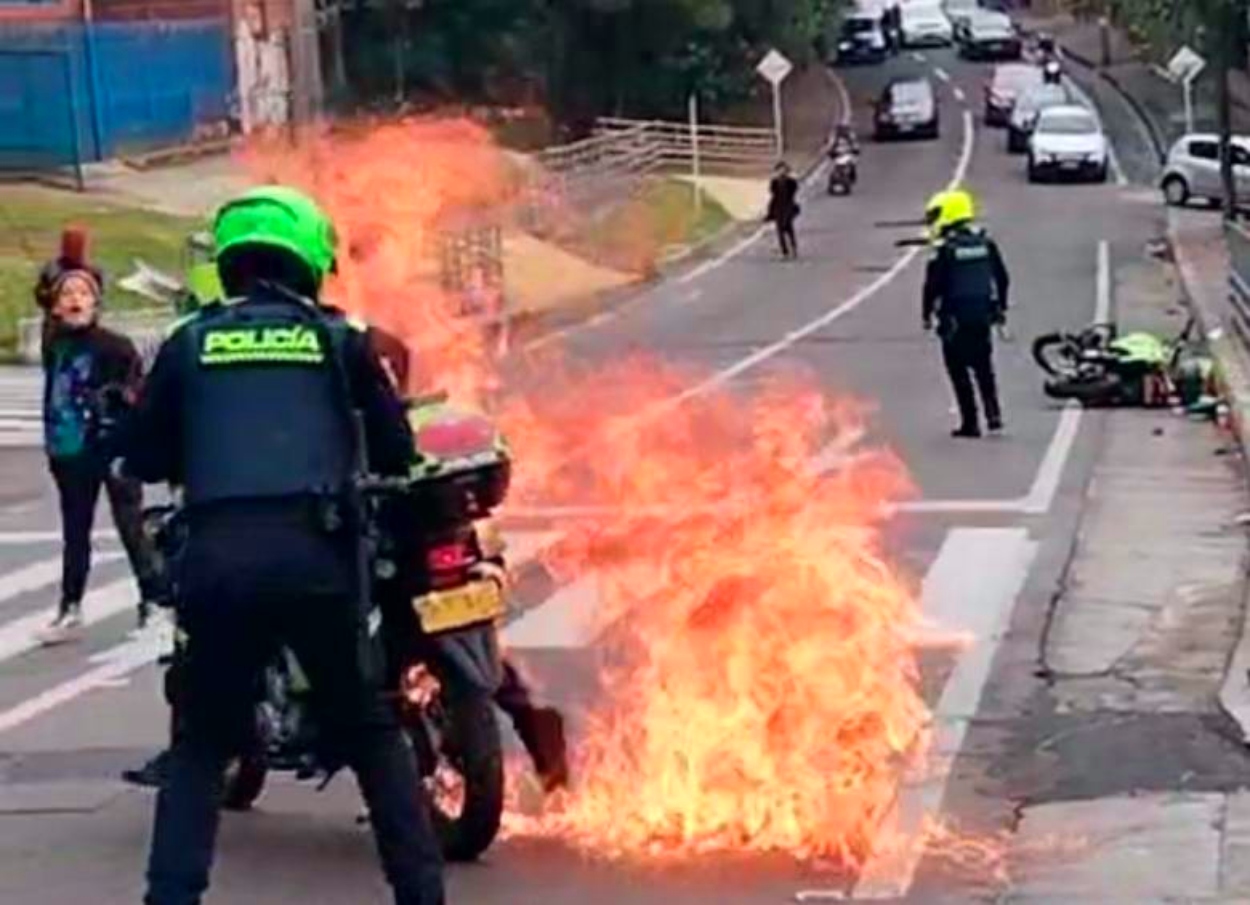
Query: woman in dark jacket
[(783, 209), (91, 376)]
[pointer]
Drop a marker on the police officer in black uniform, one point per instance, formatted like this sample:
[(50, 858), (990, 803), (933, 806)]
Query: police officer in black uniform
[(966, 287), (251, 408)]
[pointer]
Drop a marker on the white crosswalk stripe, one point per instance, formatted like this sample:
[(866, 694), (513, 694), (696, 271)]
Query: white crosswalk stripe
[(21, 402), (29, 578)]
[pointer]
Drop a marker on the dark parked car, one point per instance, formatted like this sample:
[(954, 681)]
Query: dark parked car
[(1009, 81), (989, 36), (907, 107), (862, 40)]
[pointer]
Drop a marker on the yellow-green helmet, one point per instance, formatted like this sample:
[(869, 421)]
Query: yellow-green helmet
[(277, 217), (959, 207)]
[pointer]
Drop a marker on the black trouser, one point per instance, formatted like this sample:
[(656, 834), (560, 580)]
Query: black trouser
[(786, 236), (78, 482), (968, 351), (248, 584)]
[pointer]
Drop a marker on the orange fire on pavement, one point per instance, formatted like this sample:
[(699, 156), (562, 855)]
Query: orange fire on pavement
[(761, 688)]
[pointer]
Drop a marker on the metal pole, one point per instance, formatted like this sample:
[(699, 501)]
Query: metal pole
[(777, 123), (94, 97), (1187, 86), (694, 156)]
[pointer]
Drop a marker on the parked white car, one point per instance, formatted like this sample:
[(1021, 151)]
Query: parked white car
[(960, 11), (926, 26), (1068, 141), (1193, 169)]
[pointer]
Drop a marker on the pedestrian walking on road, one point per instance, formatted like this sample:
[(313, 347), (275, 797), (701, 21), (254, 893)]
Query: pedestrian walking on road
[(783, 209), (91, 375), (966, 287)]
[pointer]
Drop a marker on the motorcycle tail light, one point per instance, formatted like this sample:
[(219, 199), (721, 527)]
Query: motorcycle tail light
[(449, 557)]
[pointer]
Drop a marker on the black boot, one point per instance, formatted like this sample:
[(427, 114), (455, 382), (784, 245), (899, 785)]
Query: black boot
[(151, 775), (541, 730)]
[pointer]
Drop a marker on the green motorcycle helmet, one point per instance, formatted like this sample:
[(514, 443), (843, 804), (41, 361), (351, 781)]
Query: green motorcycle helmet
[(281, 219)]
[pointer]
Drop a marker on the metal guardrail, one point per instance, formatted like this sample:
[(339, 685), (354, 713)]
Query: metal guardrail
[(609, 168), (729, 150)]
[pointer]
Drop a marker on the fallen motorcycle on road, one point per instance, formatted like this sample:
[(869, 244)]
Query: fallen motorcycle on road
[(1098, 367)]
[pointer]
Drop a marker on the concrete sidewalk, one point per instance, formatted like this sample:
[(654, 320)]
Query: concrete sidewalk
[(1134, 658)]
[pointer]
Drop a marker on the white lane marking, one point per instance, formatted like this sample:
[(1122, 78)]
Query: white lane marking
[(959, 94), (918, 56), (20, 635), (981, 610), (692, 296), (115, 664), (1112, 158), (548, 338), (563, 621), (111, 666), (24, 538), (719, 261), (839, 453), (521, 547), (1102, 302), (41, 574), (942, 74)]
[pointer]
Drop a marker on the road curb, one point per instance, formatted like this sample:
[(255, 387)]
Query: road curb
[(1234, 385)]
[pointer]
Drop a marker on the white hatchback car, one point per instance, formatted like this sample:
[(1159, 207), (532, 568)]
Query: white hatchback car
[(1193, 169), (1068, 141), (926, 26)]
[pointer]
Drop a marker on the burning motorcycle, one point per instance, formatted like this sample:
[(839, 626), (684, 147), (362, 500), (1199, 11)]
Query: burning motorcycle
[(1100, 368), (435, 564)]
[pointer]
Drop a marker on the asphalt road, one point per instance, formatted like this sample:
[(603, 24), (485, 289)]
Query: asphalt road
[(986, 536)]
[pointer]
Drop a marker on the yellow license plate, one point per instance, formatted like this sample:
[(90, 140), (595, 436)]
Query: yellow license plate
[(442, 611)]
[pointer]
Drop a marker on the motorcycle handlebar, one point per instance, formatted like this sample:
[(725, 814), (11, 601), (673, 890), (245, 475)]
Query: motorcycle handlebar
[(375, 485)]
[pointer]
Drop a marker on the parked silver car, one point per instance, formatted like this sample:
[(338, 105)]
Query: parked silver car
[(1193, 169)]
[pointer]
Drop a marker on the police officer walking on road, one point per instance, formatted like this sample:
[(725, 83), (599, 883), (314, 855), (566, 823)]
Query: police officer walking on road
[(966, 287), (251, 409)]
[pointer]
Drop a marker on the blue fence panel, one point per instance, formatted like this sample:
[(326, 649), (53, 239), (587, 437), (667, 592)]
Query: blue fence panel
[(156, 81), (44, 92), (126, 86), (31, 135)]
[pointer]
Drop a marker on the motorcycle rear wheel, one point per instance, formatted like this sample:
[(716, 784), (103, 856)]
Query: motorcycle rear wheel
[(470, 748)]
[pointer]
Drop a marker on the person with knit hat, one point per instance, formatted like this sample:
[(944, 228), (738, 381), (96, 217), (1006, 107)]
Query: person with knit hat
[(91, 376)]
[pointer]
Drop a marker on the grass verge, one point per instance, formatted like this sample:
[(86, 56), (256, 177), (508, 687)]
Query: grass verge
[(31, 219)]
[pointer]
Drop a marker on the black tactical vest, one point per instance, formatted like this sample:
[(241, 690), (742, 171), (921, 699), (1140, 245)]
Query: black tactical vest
[(267, 404), (968, 277)]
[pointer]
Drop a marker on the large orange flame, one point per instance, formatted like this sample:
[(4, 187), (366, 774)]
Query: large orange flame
[(762, 693), (394, 191)]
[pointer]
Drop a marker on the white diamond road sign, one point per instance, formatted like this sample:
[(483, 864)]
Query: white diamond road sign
[(774, 67), (1186, 65)]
